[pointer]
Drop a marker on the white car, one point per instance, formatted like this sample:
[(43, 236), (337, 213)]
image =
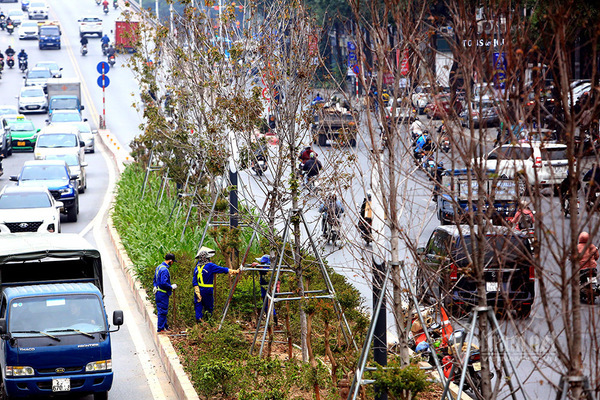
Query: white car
[(90, 25), (17, 16), (32, 99), (421, 96), (28, 209), (28, 30), (60, 139), (52, 66), (60, 116), (38, 10), (541, 163), (76, 168), (86, 132)]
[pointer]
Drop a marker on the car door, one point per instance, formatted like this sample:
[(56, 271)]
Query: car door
[(432, 280)]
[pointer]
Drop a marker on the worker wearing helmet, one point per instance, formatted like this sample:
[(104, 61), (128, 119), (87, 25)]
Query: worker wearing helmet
[(203, 282)]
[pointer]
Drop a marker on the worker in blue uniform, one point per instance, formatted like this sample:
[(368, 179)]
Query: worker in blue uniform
[(265, 262), (162, 291), (203, 282)]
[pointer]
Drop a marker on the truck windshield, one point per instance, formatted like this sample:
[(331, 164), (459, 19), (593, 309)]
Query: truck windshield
[(49, 31), (64, 104), (61, 315)]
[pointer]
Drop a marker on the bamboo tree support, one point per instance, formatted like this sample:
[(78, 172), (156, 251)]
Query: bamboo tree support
[(567, 381), (149, 168), (273, 296)]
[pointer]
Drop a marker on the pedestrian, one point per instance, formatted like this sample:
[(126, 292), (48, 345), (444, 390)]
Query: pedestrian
[(203, 282), (588, 252), (163, 290)]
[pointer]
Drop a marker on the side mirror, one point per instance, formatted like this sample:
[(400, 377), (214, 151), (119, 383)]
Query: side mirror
[(60, 205), (24, 77), (85, 120), (38, 130), (83, 108), (60, 69), (117, 318), (2, 326), (74, 177), (81, 143), (14, 178)]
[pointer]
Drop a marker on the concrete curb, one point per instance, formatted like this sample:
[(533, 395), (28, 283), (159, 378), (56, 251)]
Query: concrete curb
[(179, 380)]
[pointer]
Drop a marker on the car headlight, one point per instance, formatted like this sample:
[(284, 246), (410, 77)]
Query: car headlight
[(19, 371), (103, 365), (65, 191)]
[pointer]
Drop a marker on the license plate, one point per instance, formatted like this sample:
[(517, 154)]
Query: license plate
[(61, 385), (20, 143), (477, 366), (560, 170), (491, 286)]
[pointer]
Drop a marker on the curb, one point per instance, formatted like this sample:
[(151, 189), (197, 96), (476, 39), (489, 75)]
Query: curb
[(179, 380)]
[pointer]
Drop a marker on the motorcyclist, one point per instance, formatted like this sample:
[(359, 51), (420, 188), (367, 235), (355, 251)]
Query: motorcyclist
[(417, 128), (10, 52), (115, 3), (305, 155), (105, 40), (110, 52), (9, 22), (105, 4), (523, 219), (589, 255), (317, 99), (22, 57), (331, 211), (422, 145), (1, 61), (312, 167), (84, 41)]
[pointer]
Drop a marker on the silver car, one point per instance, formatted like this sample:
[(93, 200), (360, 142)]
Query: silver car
[(37, 77), (52, 66), (32, 99), (28, 30)]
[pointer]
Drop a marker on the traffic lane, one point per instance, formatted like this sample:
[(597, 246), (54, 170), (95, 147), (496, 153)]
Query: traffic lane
[(122, 119)]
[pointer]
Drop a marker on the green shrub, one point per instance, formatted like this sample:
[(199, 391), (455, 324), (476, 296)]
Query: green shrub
[(401, 383)]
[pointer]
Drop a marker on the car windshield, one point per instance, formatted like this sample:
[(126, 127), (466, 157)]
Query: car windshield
[(499, 250), (44, 173), (57, 140), (71, 159), (65, 117), (23, 126), (91, 19), (29, 24), (55, 316), (34, 5), (50, 66), (33, 92), (10, 201), (553, 154), (35, 74)]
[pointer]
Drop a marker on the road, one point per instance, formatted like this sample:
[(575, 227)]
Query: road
[(138, 372)]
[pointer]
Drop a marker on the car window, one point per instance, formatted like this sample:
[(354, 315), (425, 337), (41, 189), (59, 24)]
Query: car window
[(44, 173), (439, 243), (65, 117), (24, 200), (57, 140), (552, 154), (21, 126), (91, 19), (39, 74), (499, 250), (70, 159), (33, 92), (518, 153)]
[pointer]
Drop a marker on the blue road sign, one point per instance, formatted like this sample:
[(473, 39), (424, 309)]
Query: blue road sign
[(102, 64), (103, 81)]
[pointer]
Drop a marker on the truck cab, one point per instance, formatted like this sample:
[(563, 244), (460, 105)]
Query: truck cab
[(54, 331), (49, 36)]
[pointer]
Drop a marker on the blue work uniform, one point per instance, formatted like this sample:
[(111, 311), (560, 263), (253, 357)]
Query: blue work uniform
[(204, 278), (162, 283)]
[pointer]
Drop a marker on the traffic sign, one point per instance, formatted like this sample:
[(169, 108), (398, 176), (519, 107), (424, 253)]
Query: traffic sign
[(103, 81), (356, 69), (102, 67)]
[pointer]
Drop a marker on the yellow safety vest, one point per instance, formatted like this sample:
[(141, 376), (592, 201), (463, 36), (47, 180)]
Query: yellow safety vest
[(201, 280)]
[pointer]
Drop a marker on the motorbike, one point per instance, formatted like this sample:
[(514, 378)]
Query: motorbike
[(259, 165), (592, 199), (10, 28), (365, 228), (115, 4), (2, 24), (22, 64), (10, 61), (589, 289), (111, 60), (332, 231), (98, 2), (105, 9), (104, 48), (84, 49)]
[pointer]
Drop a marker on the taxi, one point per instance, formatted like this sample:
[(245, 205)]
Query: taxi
[(24, 134)]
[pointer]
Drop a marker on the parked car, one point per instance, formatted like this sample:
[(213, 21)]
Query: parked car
[(441, 106), (59, 140), (52, 66), (90, 25), (483, 114), (76, 168), (28, 30), (53, 175), (37, 10), (29, 209), (446, 271), (534, 162), (23, 131), (5, 139), (32, 99), (37, 77)]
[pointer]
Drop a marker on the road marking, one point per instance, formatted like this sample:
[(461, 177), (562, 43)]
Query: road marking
[(142, 351)]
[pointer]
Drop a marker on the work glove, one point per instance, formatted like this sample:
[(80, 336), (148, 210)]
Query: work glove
[(197, 292), (174, 286), (234, 271)]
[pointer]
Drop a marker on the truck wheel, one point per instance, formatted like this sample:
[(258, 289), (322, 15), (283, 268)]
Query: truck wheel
[(101, 396)]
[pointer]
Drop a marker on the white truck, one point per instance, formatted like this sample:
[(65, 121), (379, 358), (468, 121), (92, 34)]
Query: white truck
[(64, 94)]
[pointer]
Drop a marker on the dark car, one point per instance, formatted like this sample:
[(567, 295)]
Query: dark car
[(446, 270), (484, 113), (53, 175)]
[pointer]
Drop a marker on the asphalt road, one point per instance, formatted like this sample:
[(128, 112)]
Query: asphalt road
[(138, 372)]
